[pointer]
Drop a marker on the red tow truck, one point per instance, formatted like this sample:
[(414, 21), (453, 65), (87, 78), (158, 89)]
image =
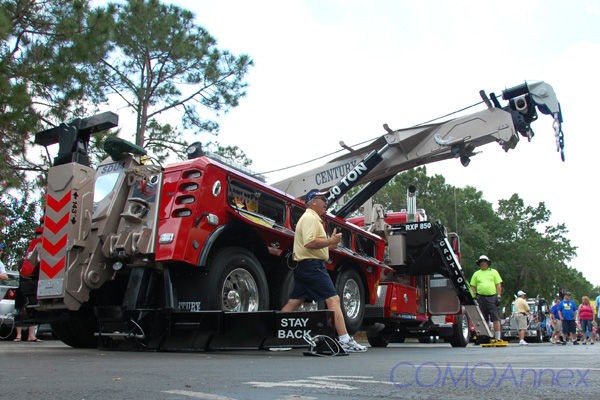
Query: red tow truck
[(179, 257), (413, 303), (198, 255)]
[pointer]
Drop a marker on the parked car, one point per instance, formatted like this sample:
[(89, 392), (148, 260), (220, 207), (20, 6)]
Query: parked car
[(538, 329), (8, 294)]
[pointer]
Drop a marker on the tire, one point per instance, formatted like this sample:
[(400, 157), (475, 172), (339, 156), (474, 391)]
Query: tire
[(78, 331), (379, 339), (7, 329), (398, 339), (281, 283), (539, 336), (351, 290), (235, 282), (460, 332)]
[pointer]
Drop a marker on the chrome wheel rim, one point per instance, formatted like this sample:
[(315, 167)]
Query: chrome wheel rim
[(465, 327), (240, 292), (351, 299)]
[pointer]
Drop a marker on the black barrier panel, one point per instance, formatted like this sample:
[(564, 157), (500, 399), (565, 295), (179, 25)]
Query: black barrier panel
[(290, 327), (192, 331), (244, 330), (214, 330)]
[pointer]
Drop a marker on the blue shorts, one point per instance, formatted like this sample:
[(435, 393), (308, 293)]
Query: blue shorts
[(586, 326), (312, 281)]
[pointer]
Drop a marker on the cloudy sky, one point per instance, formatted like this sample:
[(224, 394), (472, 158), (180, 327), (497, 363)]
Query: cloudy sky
[(329, 70)]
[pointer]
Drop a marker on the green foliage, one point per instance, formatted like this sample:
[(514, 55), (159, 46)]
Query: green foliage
[(530, 254), (18, 220), (48, 51), (234, 153)]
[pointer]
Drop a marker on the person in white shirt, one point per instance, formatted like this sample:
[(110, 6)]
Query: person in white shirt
[(3, 274)]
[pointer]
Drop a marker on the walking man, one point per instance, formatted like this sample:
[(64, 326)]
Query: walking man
[(311, 279)]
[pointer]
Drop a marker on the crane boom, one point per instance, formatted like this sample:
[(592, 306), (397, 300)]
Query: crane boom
[(403, 149)]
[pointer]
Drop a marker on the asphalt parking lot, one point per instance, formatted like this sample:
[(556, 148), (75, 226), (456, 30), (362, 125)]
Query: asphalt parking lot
[(410, 370)]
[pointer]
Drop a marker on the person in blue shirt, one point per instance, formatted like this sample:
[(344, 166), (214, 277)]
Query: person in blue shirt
[(567, 311), (597, 302), (556, 323)]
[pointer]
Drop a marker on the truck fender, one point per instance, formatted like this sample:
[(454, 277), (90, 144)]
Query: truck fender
[(210, 241)]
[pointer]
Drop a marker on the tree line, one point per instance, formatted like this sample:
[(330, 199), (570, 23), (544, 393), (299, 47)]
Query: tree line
[(529, 253)]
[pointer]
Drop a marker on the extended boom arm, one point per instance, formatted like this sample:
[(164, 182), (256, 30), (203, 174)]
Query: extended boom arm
[(404, 149)]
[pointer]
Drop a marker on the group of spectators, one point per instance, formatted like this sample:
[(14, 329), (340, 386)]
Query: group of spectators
[(569, 320)]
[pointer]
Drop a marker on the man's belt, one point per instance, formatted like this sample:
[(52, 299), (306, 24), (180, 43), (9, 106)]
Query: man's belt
[(486, 295)]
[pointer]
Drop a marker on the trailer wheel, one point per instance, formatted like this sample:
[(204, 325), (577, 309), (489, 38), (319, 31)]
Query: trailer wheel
[(235, 282), (460, 332), (352, 297)]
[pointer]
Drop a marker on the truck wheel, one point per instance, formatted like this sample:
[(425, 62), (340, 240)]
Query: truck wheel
[(379, 339), (77, 331), (281, 283), (7, 329), (398, 338), (460, 332), (352, 297), (539, 336), (235, 282)]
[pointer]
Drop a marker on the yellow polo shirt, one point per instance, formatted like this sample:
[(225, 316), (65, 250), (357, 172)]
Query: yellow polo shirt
[(309, 228), (521, 306)]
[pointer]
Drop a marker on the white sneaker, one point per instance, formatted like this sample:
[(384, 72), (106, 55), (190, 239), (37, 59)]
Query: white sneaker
[(352, 347), (523, 343)]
